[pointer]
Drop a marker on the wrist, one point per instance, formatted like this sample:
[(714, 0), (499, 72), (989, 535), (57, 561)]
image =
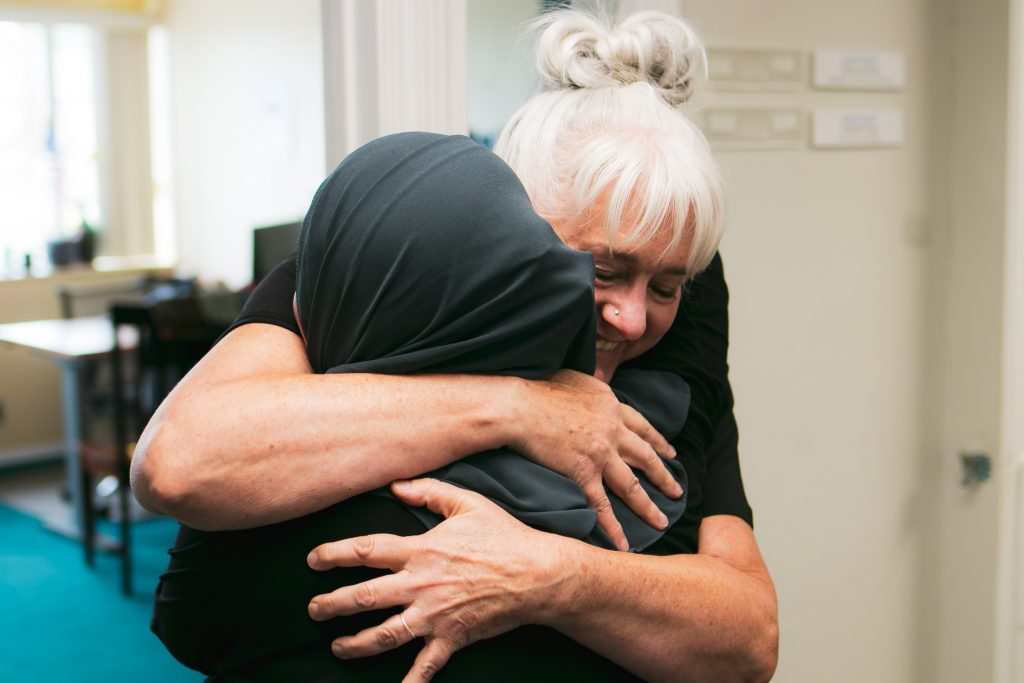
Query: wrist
[(470, 412), (563, 597), (515, 395)]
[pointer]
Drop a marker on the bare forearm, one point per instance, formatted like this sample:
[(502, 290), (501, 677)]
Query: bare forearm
[(705, 617), (216, 458), (690, 618)]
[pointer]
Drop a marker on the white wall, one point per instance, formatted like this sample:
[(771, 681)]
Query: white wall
[(866, 330), (827, 273), (247, 125)]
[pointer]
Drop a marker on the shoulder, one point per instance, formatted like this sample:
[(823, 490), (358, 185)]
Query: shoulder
[(271, 301)]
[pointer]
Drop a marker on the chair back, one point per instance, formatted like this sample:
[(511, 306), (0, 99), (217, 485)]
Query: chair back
[(172, 336)]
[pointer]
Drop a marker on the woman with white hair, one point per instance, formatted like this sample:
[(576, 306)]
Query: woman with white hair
[(618, 172)]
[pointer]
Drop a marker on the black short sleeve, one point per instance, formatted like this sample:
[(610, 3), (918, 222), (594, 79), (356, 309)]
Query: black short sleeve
[(271, 301)]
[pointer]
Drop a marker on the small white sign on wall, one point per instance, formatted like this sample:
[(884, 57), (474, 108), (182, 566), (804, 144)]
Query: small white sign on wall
[(749, 128), (749, 69), (846, 70), (853, 128)]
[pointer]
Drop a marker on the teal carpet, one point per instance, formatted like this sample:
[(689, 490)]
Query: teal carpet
[(63, 621)]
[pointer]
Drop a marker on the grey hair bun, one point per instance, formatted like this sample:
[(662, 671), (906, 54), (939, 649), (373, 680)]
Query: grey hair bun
[(578, 50)]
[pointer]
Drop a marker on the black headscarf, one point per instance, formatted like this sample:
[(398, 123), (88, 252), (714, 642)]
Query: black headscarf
[(421, 253)]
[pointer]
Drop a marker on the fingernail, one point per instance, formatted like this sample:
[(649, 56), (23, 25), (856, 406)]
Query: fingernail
[(314, 609), (338, 651), (678, 491), (401, 486), (672, 450), (312, 559), (662, 520)]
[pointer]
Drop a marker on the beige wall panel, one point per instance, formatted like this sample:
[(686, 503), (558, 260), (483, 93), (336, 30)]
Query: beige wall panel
[(826, 262), (866, 342)]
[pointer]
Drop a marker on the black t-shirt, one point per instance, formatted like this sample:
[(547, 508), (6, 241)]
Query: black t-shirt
[(695, 348)]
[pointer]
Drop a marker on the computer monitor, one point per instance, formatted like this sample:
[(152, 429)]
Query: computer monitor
[(271, 245)]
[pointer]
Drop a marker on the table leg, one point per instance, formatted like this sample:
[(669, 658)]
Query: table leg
[(71, 398)]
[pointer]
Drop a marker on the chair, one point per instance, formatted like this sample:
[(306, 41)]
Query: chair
[(171, 337), (93, 299)]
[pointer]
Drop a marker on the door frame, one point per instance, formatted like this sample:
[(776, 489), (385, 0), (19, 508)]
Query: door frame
[(1009, 608)]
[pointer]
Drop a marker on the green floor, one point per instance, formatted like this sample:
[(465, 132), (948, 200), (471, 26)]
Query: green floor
[(62, 621)]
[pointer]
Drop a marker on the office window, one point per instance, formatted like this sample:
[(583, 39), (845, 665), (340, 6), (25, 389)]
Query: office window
[(49, 163)]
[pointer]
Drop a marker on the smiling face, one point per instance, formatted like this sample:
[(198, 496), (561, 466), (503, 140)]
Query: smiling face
[(637, 289)]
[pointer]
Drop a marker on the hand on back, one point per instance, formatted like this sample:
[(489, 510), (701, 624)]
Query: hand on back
[(573, 424)]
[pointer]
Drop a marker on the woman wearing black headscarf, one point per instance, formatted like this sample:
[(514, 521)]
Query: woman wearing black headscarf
[(391, 280)]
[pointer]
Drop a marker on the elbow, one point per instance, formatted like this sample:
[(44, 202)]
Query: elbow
[(753, 659), (159, 482), (762, 651), (748, 653), (763, 657), (752, 653)]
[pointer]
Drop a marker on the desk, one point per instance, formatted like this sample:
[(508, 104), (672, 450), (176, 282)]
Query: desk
[(70, 344)]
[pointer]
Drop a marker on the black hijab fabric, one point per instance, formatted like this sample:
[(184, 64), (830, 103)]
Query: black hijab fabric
[(421, 253)]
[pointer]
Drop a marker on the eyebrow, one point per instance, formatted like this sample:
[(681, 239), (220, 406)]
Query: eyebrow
[(630, 258)]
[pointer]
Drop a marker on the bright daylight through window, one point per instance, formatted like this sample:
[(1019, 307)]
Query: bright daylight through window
[(49, 164)]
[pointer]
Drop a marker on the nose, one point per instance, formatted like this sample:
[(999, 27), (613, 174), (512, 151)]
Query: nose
[(627, 313)]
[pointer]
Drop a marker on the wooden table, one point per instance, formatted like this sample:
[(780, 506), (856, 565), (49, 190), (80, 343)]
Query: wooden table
[(71, 344)]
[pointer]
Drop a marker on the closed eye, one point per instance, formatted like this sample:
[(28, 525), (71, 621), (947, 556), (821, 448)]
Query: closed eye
[(667, 293), (606, 276)]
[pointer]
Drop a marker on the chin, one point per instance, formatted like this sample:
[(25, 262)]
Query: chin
[(604, 374)]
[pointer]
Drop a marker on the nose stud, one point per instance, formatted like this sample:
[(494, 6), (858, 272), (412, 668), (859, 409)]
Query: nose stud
[(615, 312)]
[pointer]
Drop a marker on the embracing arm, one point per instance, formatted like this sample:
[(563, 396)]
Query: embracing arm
[(705, 617), (250, 436)]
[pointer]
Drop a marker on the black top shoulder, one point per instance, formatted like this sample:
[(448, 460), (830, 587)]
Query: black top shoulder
[(271, 301)]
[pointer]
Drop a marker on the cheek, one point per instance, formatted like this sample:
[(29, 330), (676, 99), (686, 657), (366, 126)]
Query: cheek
[(662, 318), (659, 320)]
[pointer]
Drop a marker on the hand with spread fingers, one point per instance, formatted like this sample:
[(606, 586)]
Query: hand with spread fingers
[(476, 575), (581, 430)]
